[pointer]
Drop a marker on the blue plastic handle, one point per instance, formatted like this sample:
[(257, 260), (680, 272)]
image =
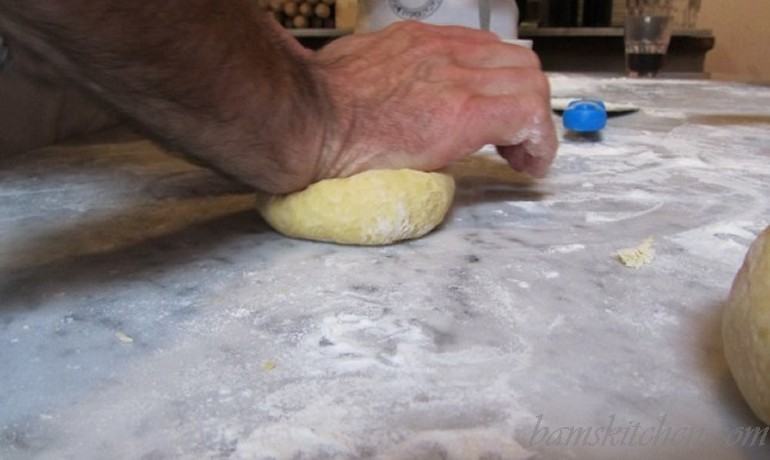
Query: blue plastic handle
[(585, 115)]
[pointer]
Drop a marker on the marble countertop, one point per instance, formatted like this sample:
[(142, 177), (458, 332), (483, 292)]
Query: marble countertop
[(147, 313)]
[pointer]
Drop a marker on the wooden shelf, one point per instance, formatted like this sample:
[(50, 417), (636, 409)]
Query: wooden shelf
[(528, 32), (601, 49), (579, 49), (320, 33)]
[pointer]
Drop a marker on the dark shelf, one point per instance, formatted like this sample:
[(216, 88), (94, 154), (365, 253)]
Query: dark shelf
[(579, 49), (601, 49)]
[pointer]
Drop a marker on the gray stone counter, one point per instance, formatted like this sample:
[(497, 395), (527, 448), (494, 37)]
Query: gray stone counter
[(147, 313)]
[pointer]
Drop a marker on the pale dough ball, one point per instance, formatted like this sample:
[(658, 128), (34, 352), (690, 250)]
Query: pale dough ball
[(371, 208), (746, 327)]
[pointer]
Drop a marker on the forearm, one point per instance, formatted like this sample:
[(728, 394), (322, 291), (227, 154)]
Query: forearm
[(36, 113), (215, 79)]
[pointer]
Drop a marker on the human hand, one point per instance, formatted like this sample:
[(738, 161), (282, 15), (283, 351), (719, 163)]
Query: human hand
[(419, 96)]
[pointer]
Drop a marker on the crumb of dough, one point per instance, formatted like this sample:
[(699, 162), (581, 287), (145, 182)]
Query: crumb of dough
[(637, 256), (268, 365), (123, 337)]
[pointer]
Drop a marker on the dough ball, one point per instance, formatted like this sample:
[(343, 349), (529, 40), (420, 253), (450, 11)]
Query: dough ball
[(746, 327), (371, 208)]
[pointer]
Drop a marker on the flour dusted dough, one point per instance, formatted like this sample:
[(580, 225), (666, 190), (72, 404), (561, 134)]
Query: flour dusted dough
[(746, 327), (371, 208)]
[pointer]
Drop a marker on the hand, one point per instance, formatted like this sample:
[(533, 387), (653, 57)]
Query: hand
[(242, 96), (419, 96)]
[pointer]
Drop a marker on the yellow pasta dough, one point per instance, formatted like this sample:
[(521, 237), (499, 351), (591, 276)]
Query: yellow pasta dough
[(371, 208), (746, 327)]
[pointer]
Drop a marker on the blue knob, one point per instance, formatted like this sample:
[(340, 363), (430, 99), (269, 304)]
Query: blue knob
[(585, 115)]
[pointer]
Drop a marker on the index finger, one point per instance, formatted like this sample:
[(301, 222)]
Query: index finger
[(520, 126)]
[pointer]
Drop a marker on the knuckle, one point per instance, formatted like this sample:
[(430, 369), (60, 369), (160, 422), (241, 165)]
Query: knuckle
[(542, 85), (526, 57), (409, 27), (531, 105), (534, 60)]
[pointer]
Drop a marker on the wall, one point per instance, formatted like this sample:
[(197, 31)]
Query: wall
[(742, 31)]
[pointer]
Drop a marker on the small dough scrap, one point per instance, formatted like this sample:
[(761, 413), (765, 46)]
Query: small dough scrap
[(746, 327), (374, 207), (268, 365), (639, 255), (123, 337)]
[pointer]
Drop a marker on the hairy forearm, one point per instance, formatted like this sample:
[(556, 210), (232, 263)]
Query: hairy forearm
[(215, 79)]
